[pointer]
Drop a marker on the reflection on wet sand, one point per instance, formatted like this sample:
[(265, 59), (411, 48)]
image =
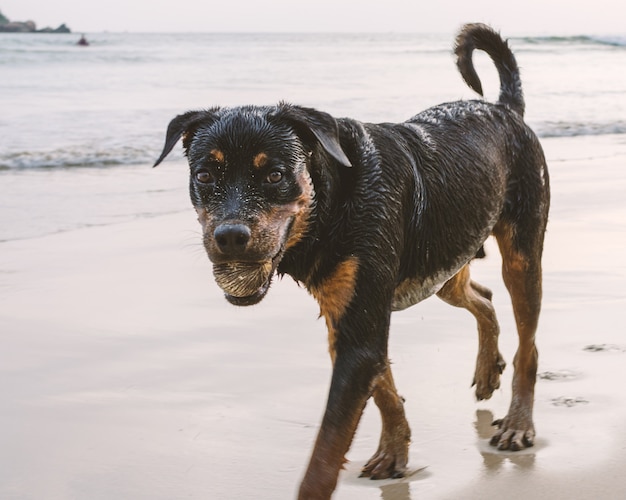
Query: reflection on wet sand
[(390, 489), (396, 491), (496, 460)]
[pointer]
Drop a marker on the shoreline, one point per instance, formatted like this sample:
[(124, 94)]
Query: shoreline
[(124, 373)]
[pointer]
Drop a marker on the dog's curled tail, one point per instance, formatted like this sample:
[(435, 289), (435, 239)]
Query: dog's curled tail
[(482, 37)]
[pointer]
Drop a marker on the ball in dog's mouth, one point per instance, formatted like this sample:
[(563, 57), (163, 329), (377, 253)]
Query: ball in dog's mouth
[(244, 283)]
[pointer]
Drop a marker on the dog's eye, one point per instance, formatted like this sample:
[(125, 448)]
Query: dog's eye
[(205, 177), (274, 177)]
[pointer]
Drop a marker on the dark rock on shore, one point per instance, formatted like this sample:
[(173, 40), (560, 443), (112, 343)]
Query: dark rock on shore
[(7, 26), (61, 29)]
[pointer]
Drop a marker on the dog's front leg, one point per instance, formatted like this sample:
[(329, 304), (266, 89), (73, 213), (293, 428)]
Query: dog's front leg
[(357, 317), (353, 375)]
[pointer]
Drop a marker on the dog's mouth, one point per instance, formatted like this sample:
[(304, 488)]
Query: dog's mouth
[(245, 283)]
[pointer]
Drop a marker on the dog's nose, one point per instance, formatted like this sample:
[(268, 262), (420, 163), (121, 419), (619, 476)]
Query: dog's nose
[(232, 239)]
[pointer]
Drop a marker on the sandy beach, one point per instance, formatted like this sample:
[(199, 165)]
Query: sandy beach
[(125, 374)]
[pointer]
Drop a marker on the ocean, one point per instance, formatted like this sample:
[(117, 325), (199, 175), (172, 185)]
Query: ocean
[(81, 126)]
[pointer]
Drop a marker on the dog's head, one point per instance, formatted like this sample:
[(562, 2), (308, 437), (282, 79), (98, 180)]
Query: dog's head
[(250, 184)]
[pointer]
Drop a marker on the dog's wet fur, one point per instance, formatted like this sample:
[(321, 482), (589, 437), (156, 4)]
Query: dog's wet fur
[(373, 218)]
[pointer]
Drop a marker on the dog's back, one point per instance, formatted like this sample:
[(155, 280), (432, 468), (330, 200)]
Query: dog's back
[(458, 168)]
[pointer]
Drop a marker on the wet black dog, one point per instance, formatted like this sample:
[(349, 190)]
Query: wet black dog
[(375, 218)]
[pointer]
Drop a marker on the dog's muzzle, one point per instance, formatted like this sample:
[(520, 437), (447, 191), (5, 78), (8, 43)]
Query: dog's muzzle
[(243, 282)]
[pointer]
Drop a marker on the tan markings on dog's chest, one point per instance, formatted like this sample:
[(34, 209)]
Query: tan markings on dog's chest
[(334, 295), (335, 292)]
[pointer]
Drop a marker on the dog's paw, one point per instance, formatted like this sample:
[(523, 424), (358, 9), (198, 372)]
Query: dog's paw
[(513, 434), (390, 461), (385, 465), (487, 376)]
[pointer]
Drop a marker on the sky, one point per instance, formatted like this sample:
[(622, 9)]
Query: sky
[(522, 17)]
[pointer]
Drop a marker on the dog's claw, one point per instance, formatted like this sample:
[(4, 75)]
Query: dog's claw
[(383, 467), (387, 464), (509, 438)]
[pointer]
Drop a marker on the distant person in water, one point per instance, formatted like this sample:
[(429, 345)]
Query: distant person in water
[(83, 41)]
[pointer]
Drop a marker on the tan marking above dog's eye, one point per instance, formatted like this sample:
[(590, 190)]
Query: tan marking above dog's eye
[(217, 155), (260, 160)]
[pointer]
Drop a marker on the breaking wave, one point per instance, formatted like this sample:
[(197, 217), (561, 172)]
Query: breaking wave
[(614, 41), (77, 157), (574, 129)]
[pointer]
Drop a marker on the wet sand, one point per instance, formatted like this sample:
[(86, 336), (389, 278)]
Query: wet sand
[(125, 374)]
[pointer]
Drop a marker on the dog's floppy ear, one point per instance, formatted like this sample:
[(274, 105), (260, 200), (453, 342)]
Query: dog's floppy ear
[(180, 125), (320, 125)]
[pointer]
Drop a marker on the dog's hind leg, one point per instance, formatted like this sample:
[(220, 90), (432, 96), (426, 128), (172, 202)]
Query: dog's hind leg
[(461, 291), (521, 270), (390, 460)]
